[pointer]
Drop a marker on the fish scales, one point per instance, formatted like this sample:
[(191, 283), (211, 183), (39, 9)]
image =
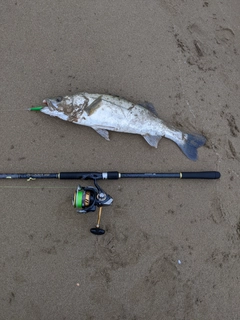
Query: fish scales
[(114, 114), (106, 113)]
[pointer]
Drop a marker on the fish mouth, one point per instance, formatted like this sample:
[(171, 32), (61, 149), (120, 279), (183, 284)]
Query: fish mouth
[(49, 103)]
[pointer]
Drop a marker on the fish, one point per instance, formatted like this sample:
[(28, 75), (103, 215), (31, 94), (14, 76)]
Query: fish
[(104, 113)]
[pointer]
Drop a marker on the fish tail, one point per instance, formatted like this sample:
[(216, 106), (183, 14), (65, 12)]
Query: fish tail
[(190, 145)]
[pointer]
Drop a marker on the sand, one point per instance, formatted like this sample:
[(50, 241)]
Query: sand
[(171, 247)]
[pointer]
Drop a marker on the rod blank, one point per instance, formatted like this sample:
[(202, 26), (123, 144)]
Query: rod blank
[(113, 175)]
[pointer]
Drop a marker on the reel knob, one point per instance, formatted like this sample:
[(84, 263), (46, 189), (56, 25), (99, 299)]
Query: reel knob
[(97, 231)]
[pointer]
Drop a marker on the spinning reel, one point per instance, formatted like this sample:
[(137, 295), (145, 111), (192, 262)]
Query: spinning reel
[(87, 199)]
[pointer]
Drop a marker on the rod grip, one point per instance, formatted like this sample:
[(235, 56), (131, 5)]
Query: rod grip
[(80, 175), (201, 175)]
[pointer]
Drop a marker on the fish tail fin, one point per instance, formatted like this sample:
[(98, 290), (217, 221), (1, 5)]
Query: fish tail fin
[(190, 145)]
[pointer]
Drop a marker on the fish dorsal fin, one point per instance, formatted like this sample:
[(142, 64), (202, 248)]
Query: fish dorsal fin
[(103, 133), (149, 106), (152, 140), (93, 106)]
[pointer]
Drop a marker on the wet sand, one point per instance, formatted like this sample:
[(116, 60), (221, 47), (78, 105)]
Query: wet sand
[(171, 247)]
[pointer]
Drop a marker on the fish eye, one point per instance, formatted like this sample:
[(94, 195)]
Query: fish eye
[(59, 99)]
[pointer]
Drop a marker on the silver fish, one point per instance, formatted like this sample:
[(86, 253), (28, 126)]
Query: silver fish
[(106, 112)]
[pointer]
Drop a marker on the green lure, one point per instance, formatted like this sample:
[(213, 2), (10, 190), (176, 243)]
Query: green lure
[(37, 108)]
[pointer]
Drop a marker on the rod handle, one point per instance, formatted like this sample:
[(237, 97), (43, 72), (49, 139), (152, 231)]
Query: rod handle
[(80, 175), (89, 175), (200, 175)]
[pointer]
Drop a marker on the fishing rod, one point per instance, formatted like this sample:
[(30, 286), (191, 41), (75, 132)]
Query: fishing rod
[(88, 199)]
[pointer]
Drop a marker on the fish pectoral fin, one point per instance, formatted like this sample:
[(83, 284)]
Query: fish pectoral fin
[(93, 106), (152, 140), (104, 133), (149, 106)]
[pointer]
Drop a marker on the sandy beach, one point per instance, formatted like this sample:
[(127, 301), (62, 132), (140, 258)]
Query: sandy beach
[(171, 247)]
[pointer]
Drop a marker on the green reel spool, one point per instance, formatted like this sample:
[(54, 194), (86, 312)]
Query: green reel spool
[(84, 198), (78, 199)]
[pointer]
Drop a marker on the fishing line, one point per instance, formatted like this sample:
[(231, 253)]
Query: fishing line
[(14, 110), (37, 187), (37, 108)]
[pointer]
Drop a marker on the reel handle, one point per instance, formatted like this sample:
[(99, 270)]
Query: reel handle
[(97, 230)]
